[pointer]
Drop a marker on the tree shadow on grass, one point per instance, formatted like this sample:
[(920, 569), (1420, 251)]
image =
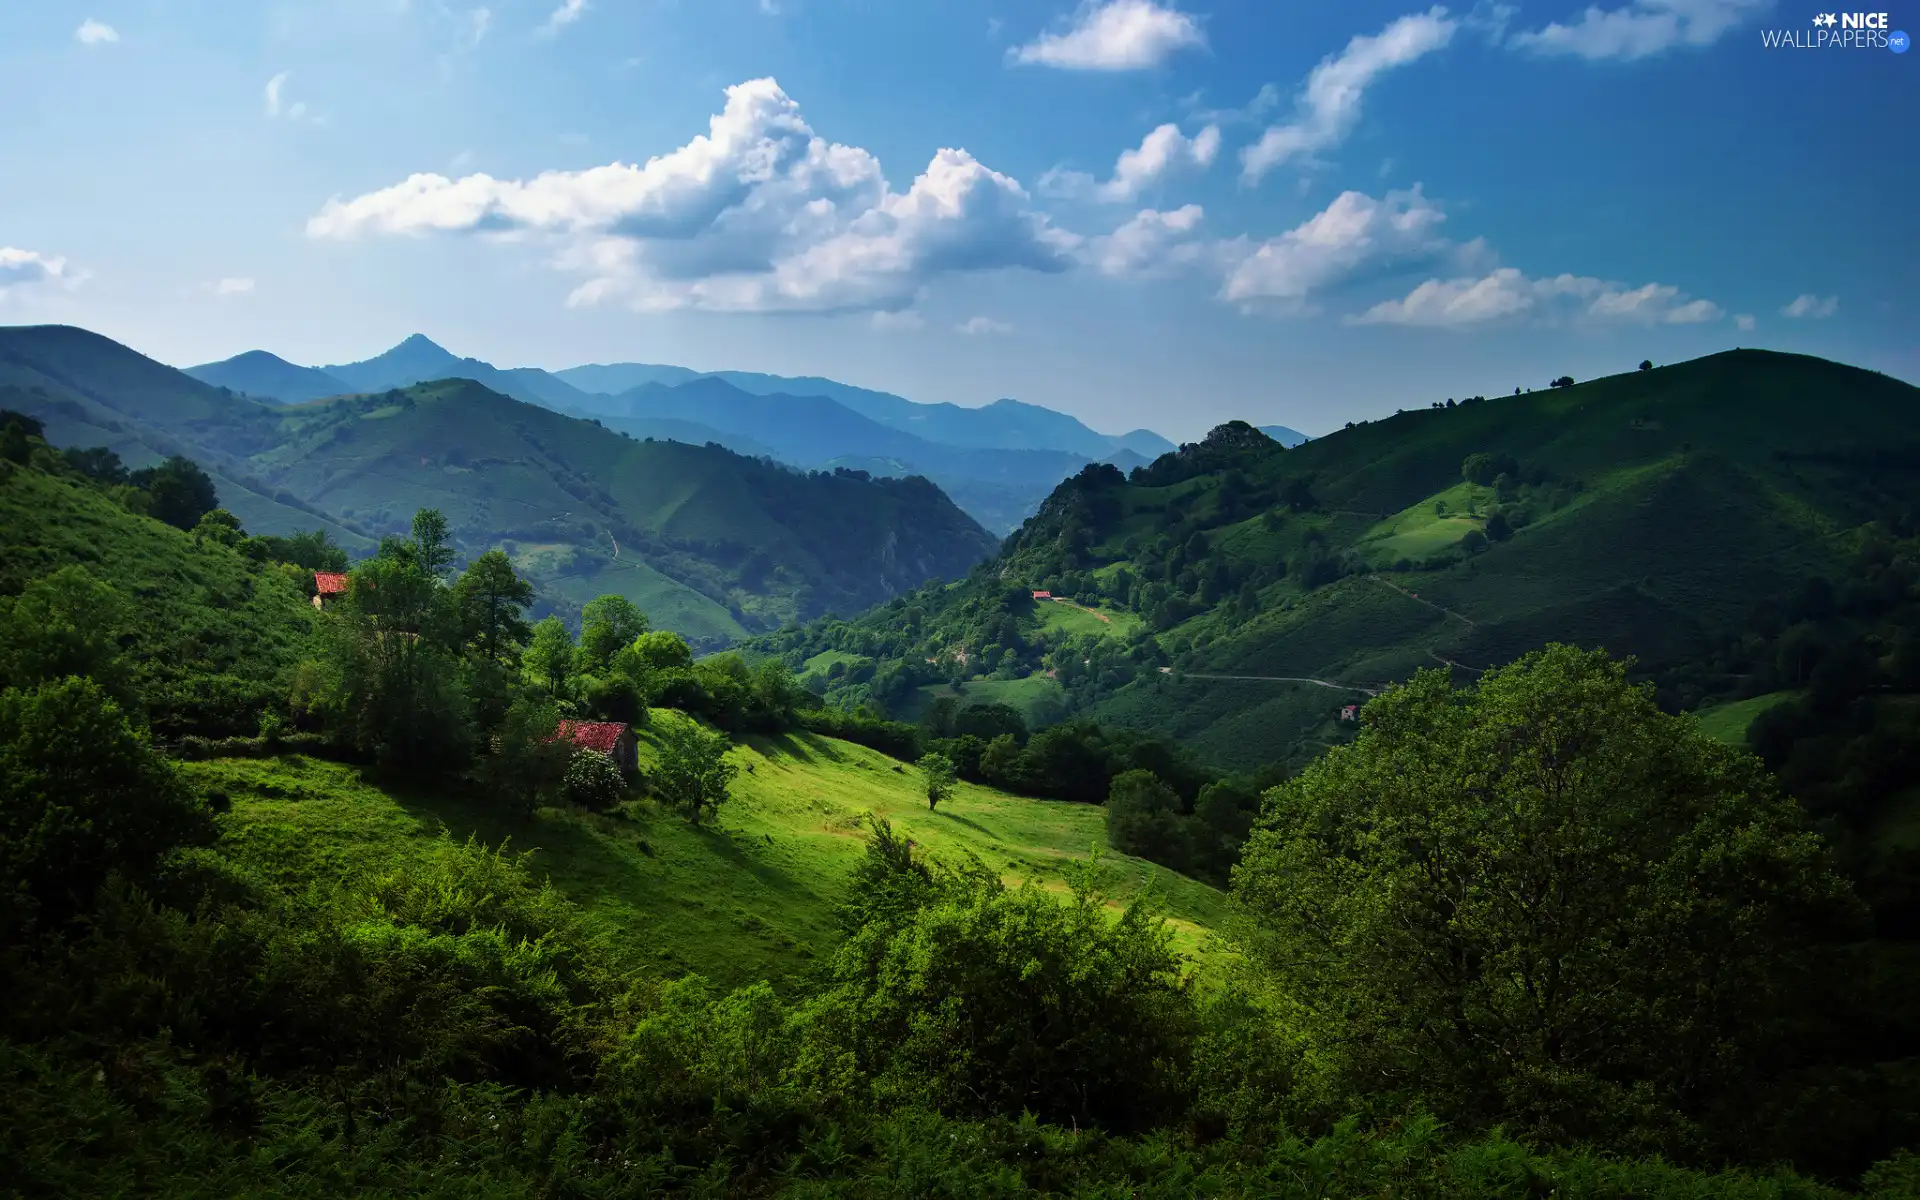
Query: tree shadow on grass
[(976, 826)]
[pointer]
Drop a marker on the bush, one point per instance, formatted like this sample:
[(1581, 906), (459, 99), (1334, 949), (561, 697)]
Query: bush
[(82, 795), (594, 781)]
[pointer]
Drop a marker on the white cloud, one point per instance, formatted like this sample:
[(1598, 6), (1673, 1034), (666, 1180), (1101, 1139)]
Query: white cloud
[(979, 325), (474, 28), (1506, 293), (274, 87), (24, 272), (1743, 322), (1264, 101), (1117, 35), (757, 215), (904, 319), (1642, 28), (230, 286), (568, 12), (1812, 307), (1329, 105), (1352, 236), (94, 33), (1150, 242), (1159, 153)]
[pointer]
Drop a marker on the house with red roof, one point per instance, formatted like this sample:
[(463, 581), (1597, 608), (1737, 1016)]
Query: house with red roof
[(615, 739), (1043, 595), (1350, 712), (328, 585)]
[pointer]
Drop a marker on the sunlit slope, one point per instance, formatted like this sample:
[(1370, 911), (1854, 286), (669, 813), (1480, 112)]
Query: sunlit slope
[(749, 898)]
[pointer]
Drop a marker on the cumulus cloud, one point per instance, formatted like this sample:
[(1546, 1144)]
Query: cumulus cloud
[(1640, 29), (1353, 236), (1160, 153), (1743, 322), (757, 215), (96, 33), (1507, 293), (1329, 104), (23, 272), (1117, 35), (568, 12), (978, 325), (1811, 307), (1151, 242)]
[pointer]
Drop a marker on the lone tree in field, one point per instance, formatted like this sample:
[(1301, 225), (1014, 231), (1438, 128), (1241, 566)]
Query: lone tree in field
[(1646, 364), (1542, 902), (939, 773), (693, 774)]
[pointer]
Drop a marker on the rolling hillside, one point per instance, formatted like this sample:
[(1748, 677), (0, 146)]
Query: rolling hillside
[(1649, 513), (749, 899)]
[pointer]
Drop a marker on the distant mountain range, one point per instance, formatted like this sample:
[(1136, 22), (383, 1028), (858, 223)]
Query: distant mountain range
[(711, 543), (998, 461)]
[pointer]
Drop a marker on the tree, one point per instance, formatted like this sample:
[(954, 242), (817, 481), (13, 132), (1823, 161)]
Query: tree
[(1473, 541), (82, 795), (938, 772), (432, 548), (492, 601), (1498, 528), (693, 772), (1541, 901), (1565, 381), (1646, 364), (388, 677), (66, 623), (549, 657), (528, 765), (1143, 817), (220, 527), (608, 624), (178, 492), (775, 693), (98, 464), (662, 651)]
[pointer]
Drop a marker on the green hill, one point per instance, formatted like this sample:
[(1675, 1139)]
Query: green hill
[(1650, 513), (726, 542), (208, 635), (746, 900)]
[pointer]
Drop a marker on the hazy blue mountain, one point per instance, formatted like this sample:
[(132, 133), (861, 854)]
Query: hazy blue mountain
[(269, 377), (610, 379), (1146, 443), (1003, 425), (419, 359), (1283, 435)]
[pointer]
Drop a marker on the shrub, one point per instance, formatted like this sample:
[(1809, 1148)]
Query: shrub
[(594, 781)]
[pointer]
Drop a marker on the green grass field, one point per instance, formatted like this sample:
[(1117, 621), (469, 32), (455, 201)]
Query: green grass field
[(1034, 697), (1727, 723), (1420, 531), (1058, 617), (748, 898), (823, 662), (668, 603)]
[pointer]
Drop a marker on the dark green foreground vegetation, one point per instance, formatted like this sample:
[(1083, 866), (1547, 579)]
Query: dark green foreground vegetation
[(1535, 937)]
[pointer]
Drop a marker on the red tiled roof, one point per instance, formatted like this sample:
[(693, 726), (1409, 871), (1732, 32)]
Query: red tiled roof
[(329, 584), (602, 736), (1043, 595)]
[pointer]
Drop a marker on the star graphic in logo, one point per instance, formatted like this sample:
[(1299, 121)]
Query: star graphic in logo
[(1826, 19)]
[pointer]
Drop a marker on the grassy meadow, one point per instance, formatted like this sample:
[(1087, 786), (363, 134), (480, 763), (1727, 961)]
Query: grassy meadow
[(749, 897)]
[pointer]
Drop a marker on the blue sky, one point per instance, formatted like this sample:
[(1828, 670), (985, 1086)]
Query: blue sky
[(1144, 212)]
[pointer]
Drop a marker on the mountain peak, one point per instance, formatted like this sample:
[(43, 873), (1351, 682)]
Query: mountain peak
[(420, 341)]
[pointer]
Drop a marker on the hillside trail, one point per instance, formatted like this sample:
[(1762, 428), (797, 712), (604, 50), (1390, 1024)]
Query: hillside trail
[(1325, 683), (1095, 614), (1415, 597)]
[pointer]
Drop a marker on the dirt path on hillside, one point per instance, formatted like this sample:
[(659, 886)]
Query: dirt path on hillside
[(1415, 597), (1098, 616), (1325, 683)]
